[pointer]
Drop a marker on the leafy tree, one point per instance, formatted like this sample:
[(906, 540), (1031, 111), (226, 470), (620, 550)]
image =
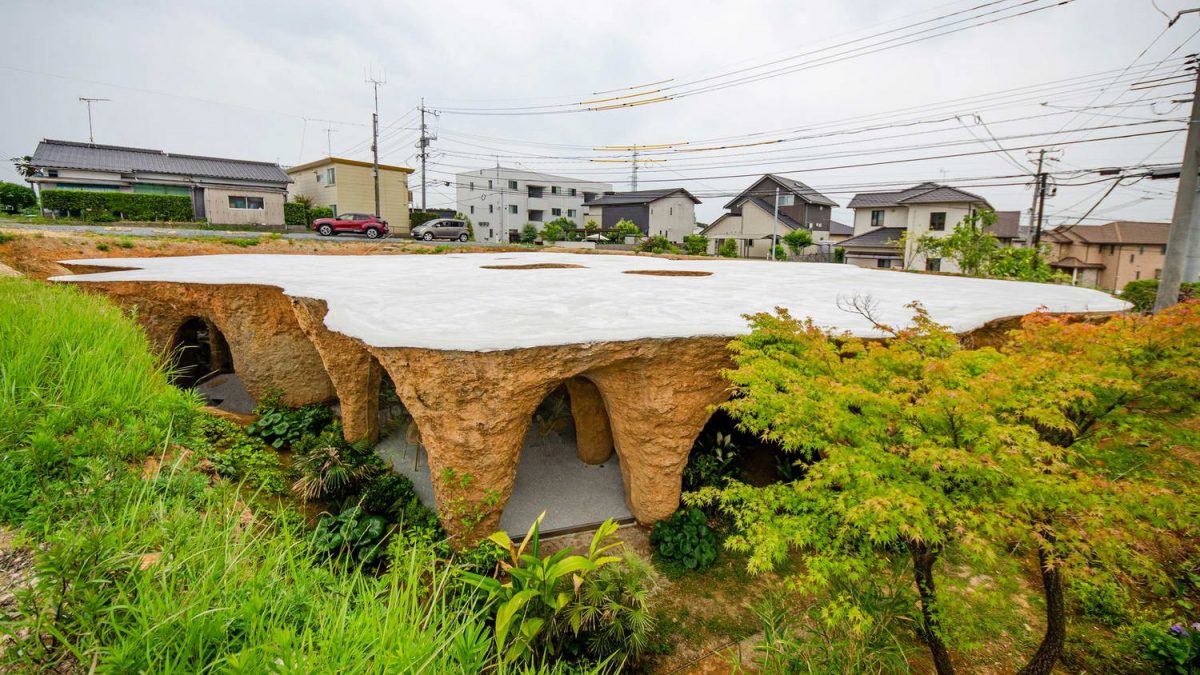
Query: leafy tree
[(1141, 293), (925, 448), (970, 245), (470, 226), (797, 241), (24, 166), (779, 253), (1022, 264), (728, 249), (625, 228), (15, 197), (695, 244), (529, 233), (591, 226), (552, 232)]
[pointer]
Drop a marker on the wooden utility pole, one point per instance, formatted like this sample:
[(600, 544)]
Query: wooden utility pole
[(1182, 226), (375, 142), (1039, 186)]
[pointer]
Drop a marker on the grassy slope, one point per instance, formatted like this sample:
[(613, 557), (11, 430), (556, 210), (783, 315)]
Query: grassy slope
[(158, 570)]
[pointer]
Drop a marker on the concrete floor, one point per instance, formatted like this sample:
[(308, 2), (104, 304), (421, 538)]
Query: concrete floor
[(226, 391), (549, 478)]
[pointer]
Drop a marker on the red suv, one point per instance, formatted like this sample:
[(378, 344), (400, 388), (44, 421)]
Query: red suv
[(361, 223)]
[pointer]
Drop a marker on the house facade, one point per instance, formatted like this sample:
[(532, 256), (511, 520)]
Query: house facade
[(1111, 255), (888, 225), (223, 191), (500, 201), (348, 186), (669, 212), (750, 219)]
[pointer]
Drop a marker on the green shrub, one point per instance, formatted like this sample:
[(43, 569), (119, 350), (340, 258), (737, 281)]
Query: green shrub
[(556, 230), (1141, 293), (296, 214), (416, 218), (319, 212), (281, 426), (657, 244), (728, 249), (331, 468), (102, 246), (352, 533), (711, 462), (684, 540), (238, 456), (798, 240), (529, 233), (1103, 600), (695, 244), (1174, 649), (119, 205), (14, 197), (387, 494), (625, 228)]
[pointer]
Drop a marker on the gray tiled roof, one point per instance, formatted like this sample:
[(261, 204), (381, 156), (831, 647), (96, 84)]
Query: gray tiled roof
[(794, 186), (925, 193), (52, 154), (884, 236), (1116, 232), (639, 197), (836, 228)]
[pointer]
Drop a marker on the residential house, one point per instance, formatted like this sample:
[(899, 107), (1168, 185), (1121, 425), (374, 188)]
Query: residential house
[(223, 191), (884, 220), (669, 212), (1111, 255), (348, 186), (501, 200), (750, 219)]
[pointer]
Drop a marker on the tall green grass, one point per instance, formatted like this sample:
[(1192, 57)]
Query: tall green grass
[(163, 570)]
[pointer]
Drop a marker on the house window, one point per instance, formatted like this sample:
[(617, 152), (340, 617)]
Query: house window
[(937, 221), (535, 191), (883, 263), (472, 209), (512, 208), (556, 212), (570, 213), (52, 173), (933, 265), (245, 202), (1131, 256), (1137, 274), (877, 218), (472, 186), (787, 200), (1141, 250), (589, 196), (671, 211), (512, 185), (489, 184), (491, 208), (330, 176), (571, 192), (553, 189), (1158, 274), (536, 215)]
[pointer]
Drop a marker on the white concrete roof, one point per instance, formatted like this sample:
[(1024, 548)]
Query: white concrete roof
[(451, 302)]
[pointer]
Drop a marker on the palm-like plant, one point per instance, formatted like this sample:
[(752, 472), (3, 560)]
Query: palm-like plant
[(329, 469)]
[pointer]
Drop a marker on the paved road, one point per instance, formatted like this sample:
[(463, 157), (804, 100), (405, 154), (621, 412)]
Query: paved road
[(118, 230)]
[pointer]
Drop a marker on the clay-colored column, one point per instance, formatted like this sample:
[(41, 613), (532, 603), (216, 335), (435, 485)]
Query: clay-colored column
[(473, 410), (354, 371), (657, 407), (593, 436)]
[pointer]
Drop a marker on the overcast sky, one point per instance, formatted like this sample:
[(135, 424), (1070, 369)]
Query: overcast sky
[(263, 80)]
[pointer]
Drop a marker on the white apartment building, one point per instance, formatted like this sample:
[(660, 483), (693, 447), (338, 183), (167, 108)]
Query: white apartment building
[(499, 201)]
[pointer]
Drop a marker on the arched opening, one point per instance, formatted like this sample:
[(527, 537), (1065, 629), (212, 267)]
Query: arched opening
[(722, 451), (567, 466), (202, 361)]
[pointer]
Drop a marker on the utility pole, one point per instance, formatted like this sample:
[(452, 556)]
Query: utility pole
[(775, 225), (423, 145), (633, 179), (1183, 226), (375, 141), (89, 102), (329, 141), (1035, 218), (500, 235)]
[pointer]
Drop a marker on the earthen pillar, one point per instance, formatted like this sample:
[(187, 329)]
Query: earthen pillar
[(593, 436)]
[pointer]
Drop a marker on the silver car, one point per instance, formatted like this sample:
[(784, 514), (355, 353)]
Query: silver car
[(441, 228)]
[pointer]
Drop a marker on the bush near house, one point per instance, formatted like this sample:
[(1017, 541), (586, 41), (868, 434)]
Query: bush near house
[(529, 233), (728, 249), (416, 218), (14, 197), (1141, 293), (296, 214), (695, 244), (102, 206), (657, 244), (625, 228)]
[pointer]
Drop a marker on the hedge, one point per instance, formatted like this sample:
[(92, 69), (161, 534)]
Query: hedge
[(119, 205), (416, 218), (295, 215), (1141, 293)]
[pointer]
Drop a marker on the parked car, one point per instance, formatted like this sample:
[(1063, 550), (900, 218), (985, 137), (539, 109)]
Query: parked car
[(361, 223), (441, 228)]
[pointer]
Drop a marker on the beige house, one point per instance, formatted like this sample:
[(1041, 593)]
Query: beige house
[(1111, 255), (348, 186), (750, 218), (669, 212), (884, 220), (222, 191)]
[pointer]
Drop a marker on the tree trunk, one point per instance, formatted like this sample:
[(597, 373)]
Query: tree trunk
[(923, 557), (1051, 648)]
